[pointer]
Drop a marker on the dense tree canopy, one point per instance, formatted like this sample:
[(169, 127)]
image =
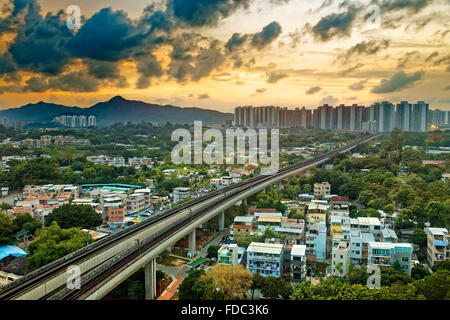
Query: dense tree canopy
[(54, 243), (69, 216)]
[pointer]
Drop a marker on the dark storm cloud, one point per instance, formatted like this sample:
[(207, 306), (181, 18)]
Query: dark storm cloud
[(398, 81), (7, 64), (102, 69), (337, 25), (149, 67), (75, 82), (108, 35), (207, 60), (268, 34), (204, 12), (36, 84), (236, 41), (40, 42)]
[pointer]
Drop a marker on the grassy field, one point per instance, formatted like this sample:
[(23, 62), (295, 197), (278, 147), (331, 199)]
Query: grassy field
[(171, 261)]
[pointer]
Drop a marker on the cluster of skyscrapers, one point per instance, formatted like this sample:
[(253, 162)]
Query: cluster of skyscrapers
[(379, 117), (75, 121)]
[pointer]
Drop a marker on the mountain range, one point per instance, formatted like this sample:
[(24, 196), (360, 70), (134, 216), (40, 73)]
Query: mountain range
[(115, 110)]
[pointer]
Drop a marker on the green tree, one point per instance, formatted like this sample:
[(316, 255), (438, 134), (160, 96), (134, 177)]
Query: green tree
[(275, 288), (438, 214), (436, 286), (365, 196), (24, 221), (419, 272), (192, 288), (6, 228), (419, 237), (441, 265), (69, 216), (54, 243), (257, 283), (212, 251)]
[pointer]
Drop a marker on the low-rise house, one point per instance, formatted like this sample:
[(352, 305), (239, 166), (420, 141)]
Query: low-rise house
[(340, 257), (438, 248), (180, 194), (228, 254), (268, 218), (387, 254), (388, 235), (297, 266), (321, 189), (242, 226), (316, 241), (265, 258)]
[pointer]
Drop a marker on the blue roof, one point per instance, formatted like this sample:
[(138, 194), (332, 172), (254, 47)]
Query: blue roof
[(6, 251)]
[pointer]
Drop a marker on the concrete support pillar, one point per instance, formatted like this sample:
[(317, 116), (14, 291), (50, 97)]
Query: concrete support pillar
[(279, 187), (192, 243), (150, 280), (244, 201), (221, 221)]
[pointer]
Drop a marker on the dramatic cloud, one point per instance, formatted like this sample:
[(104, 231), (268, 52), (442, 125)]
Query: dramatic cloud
[(412, 5), (275, 76), (366, 48), (412, 56), (108, 35), (148, 67), (204, 12), (268, 34), (236, 41), (75, 82), (40, 42), (337, 25), (397, 82), (313, 90), (102, 69)]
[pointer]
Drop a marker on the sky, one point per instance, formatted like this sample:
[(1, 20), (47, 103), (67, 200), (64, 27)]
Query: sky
[(219, 54)]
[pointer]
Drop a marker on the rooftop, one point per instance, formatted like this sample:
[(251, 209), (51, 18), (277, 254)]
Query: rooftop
[(298, 250), (265, 247)]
